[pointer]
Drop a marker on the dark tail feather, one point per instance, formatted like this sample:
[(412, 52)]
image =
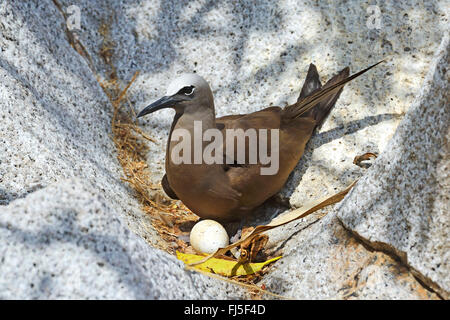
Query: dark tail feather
[(321, 111), (324, 97), (312, 82)]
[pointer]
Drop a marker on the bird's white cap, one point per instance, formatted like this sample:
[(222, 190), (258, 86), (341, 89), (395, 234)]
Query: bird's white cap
[(186, 80)]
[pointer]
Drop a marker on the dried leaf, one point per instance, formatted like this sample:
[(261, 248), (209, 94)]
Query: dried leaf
[(223, 267), (299, 213), (366, 156), (250, 250)]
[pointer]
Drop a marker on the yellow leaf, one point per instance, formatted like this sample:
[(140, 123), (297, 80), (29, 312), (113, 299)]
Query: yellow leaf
[(223, 267), (299, 213)]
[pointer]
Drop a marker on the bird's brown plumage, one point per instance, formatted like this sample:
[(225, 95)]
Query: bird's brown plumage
[(227, 192)]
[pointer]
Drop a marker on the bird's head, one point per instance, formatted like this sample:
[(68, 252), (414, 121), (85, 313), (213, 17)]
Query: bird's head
[(188, 91)]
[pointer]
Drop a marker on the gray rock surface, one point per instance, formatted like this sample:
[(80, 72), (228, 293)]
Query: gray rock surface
[(67, 241), (70, 228), (55, 118), (65, 214), (389, 237), (402, 203), (322, 260)]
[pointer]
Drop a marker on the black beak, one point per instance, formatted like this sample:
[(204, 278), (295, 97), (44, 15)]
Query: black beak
[(164, 102)]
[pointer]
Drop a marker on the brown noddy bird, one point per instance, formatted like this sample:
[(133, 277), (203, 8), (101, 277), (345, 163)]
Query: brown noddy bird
[(230, 190)]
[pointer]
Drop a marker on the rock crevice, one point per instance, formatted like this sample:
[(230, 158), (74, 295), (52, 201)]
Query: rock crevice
[(402, 258)]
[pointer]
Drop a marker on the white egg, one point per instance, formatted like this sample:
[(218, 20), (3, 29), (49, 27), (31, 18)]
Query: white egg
[(208, 235)]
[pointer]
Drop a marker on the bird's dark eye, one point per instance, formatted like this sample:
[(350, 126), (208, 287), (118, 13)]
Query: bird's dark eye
[(187, 91)]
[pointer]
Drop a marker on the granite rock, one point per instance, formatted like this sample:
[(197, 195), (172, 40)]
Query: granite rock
[(402, 202), (389, 237), (70, 228), (323, 260), (67, 241), (55, 118)]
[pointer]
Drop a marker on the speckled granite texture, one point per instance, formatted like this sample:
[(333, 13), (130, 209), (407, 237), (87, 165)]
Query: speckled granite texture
[(70, 228), (402, 203)]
